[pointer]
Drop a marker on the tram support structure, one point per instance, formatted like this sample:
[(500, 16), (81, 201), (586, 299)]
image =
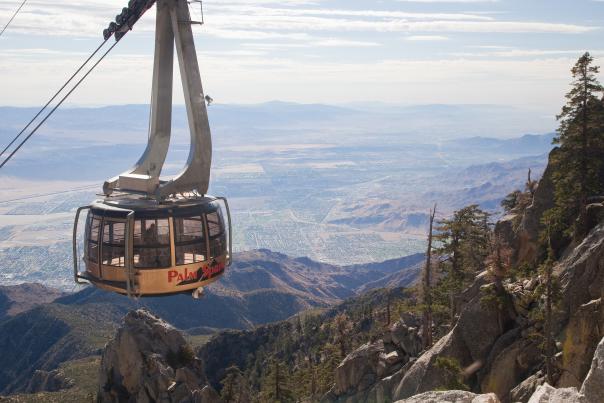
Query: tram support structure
[(173, 31), (153, 237)]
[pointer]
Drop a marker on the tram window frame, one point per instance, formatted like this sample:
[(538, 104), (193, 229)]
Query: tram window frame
[(180, 244), (216, 240), (93, 257), (113, 245), (140, 245)]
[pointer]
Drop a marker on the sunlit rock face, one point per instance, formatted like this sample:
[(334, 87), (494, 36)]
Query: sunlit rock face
[(451, 396), (150, 361)]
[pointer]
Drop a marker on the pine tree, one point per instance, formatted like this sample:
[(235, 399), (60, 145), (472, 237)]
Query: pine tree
[(275, 386), (342, 326), (235, 388), (578, 162), (499, 263), (464, 240), (331, 358), (388, 304), (511, 201), (464, 245), (313, 379), (298, 324)]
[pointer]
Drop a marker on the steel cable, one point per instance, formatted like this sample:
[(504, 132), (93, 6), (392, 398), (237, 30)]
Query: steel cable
[(13, 17), (53, 98), (57, 105)]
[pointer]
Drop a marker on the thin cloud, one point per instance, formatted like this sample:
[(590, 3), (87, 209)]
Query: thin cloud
[(327, 43), (231, 21), (426, 38), (452, 1), (508, 52)]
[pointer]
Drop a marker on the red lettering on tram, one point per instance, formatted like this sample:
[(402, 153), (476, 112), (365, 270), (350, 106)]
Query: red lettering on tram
[(205, 273)]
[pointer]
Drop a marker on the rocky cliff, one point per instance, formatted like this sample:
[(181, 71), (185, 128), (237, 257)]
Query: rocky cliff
[(150, 361), (492, 349)]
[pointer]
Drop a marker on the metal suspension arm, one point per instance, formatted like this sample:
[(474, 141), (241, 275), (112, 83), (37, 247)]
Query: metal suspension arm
[(172, 28)]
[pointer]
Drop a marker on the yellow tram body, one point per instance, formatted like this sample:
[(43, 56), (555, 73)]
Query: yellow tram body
[(145, 248)]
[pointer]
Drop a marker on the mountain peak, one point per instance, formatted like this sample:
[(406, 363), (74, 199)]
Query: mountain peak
[(149, 360)]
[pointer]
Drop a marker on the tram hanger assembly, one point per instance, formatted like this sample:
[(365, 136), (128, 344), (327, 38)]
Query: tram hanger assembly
[(149, 236)]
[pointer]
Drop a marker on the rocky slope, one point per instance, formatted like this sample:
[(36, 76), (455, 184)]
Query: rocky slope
[(44, 337), (261, 287), (493, 346), (301, 338), (591, 391)]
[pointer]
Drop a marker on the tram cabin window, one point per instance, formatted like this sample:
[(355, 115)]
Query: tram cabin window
[(189, 240), (113, 250), (216, 233), (152, 243), (93, 227)]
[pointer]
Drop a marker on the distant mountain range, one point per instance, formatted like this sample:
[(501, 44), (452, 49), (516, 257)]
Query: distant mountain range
[(261, 287), (119, 123), (484, 184), (529, 143)]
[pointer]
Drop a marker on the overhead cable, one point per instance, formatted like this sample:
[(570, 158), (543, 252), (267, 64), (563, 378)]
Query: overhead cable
[(52, 99), (57, 105), (13, 17)]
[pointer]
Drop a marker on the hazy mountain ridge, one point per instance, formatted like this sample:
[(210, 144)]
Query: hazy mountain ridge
[(484, 184), (14, 300), (435, 120)]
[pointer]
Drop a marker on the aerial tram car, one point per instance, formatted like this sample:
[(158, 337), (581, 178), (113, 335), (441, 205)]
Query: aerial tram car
[(149, 236)]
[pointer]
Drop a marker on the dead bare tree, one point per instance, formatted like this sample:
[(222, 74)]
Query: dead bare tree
[(427, 287)]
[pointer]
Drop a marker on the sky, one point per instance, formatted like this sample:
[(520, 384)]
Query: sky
[(508, 52)]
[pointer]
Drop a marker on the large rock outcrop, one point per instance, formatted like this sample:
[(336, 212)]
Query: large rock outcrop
[(520, 229), (371, 372), (525, 389), (581, 272), (592, 390), (580, 339), (150, 361), (469, 344), (593, 386), (451, 396), (548, 394), (527, 232)]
